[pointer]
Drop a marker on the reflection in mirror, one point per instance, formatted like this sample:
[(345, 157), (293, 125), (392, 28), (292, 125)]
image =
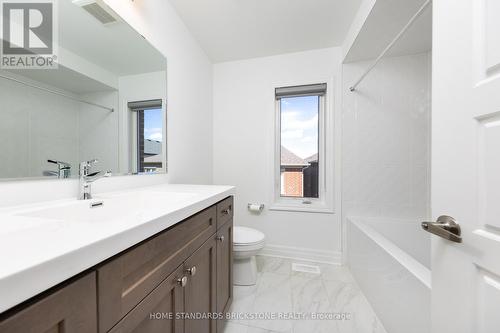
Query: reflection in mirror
[(105, 101), (146, 120)]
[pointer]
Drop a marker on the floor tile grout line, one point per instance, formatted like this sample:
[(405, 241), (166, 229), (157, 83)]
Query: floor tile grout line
[(344, 280)]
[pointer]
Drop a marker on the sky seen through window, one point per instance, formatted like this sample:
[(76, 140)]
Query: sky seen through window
[(299, 125)]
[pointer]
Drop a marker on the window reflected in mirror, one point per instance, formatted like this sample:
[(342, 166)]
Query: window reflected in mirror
[(52, 119), (147, 141)]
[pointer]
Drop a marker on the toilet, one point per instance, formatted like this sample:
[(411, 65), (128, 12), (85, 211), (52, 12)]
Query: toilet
[(247, 242)]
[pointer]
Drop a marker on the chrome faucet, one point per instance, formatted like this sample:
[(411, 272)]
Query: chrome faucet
[(87, 178), (63, 169)]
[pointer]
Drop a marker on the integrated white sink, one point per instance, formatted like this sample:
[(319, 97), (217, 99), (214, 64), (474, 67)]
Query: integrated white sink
[(56, 240), (112, 207)]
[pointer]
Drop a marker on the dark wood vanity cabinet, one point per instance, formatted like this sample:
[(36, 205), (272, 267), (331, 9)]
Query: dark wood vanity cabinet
[(200, 292), (175, 281), (199, 250), (155, 313), (70, 308), (183, 302), (224, 270), (126, 279), (224, 211)]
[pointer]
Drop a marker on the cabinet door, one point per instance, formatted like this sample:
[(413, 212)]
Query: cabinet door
[(72, 308), (224, 270), (158, 311), (200, 292), (126, 279)]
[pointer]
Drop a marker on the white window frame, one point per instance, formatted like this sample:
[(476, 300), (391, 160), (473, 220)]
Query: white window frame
[(134, 137), (325, 202)]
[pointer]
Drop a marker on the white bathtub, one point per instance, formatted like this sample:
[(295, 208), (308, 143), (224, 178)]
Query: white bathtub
[(390, 259)]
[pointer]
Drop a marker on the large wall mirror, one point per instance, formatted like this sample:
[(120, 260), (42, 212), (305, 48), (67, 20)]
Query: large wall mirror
[(105, 101)]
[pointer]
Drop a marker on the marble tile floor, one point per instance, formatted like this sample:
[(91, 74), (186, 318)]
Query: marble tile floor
[(281, 290)]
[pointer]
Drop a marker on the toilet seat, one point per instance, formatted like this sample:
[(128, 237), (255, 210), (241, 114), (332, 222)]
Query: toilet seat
[(244, 237), (248, 248)]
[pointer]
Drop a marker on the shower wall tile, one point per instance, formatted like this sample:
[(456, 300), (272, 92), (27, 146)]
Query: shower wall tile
[(14, 141), (36, 126), (386, 139)]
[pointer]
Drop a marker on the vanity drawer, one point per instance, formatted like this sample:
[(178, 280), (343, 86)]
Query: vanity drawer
[(224, 211), (157, 312), (129, 277)]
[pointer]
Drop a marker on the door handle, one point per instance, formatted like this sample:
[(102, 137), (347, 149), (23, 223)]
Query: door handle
[(445, 227)]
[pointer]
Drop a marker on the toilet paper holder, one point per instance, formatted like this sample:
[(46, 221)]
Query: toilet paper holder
[(257, 208)]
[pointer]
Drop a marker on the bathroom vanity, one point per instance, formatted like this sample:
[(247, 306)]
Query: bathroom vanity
[(126, 261), (161, 283)]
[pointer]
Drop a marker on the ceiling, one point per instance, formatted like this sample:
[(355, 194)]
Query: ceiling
[(64, 78), (241, 29), (117, 47), (385, 21)]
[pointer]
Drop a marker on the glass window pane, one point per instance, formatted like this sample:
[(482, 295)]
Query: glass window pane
[(299, 146), (150, 140)]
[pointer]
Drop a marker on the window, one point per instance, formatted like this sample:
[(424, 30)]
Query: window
[(300, 160), (299, 155), (147, 136)]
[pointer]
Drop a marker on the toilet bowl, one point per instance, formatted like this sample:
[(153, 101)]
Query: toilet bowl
[(247, 242)]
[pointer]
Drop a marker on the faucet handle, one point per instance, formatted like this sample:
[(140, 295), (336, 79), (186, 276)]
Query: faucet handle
[(60, 164), (106, 174), (85, 167), (89, 163)]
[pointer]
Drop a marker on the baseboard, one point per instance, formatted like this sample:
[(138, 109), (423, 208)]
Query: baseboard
[(302, 254)]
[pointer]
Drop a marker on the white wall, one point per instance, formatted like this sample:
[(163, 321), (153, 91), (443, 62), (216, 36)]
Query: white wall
[(189, 107), (133, 88), (386, 139), (244, 147), (189, 87)]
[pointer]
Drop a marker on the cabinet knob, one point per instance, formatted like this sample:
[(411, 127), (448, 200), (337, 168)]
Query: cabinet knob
[(226, 211), (191, 271), (220, 239), (182, 281)]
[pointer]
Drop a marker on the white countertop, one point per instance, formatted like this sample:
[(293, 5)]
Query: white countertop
[(39, 251)]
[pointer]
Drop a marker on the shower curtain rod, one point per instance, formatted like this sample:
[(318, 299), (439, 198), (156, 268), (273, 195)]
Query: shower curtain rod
[(56, 93), (391, 44)]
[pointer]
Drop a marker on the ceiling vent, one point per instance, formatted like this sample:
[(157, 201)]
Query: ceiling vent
[(99, 10)]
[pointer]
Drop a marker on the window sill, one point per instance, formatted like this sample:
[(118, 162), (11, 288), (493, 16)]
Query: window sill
[(304, 208)]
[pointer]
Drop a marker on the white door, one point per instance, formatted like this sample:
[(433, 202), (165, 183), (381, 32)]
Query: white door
[(466, 165)]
